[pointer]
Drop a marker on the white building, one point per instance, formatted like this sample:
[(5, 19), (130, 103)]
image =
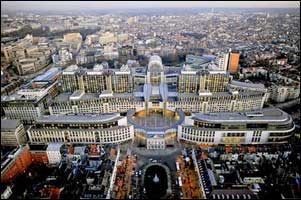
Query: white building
[(107, 128), (6, 193), (223, 61), (53, 152), (91, 39), (30, 102), (12, 133), (269, 125), (280, 93), (26, 109), (107, 38)]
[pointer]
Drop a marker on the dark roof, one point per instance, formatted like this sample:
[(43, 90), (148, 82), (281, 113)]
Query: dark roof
[(38, 147)]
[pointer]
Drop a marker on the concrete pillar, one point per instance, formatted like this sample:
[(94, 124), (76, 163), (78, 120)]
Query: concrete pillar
[(164, 108), (146, 108), (81, 83), (109, 82)]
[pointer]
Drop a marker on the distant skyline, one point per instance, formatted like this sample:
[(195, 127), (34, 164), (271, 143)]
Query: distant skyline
[(78, 5)]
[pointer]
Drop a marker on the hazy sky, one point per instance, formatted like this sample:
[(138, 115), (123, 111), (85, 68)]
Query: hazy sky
[(69, 5)]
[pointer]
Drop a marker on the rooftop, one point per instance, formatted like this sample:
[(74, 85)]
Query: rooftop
[(54, 146), (38, 147), (265, 115), (65, 97), (79, 118), (48, 75), (221, 94), (249, 85), (77, 94), (19, 97), (71, 69), (9, 124)]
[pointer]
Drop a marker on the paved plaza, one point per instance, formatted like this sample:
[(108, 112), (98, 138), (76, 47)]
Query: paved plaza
[(155, 120)]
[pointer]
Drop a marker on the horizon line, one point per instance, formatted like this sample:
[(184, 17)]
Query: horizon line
[(152, 8)]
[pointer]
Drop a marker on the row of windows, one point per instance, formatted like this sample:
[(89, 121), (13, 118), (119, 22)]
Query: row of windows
[(94, 84), (95, 103), (46, 140), (191, 83), (234, 134), (257, 126), (69, 83), (122, 83), (112, 107), (274, 134), (206, 125), (13, 108), (109, 136), (277, 139), (198, 108), (197, 139), (22, 116), (249, 97), (257, 133), (93, 110), (256, 139), (197, 132), (78, 126)]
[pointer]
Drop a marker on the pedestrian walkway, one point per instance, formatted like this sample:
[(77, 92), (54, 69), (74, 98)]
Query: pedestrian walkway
[(155, 152)]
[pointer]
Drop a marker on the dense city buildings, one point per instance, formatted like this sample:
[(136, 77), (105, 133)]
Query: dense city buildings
[(27, 55), (150, 103)]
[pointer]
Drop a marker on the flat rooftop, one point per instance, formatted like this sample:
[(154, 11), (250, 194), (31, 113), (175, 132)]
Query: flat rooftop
[(64, 97), (21, 98), (48, 75), (264, 115), (248, 85), (220, 94), (7, 124), (54, 146), (93, 119)]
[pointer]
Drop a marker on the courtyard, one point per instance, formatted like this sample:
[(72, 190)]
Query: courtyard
[(155, 119)]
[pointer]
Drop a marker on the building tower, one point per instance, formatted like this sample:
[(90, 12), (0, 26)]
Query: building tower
[(155, 89), (223, 61), (233, 66)]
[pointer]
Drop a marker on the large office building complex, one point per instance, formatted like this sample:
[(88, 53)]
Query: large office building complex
[(104, 105)]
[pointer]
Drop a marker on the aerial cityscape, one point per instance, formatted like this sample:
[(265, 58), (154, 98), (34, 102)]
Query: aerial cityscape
[(150, 100)]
